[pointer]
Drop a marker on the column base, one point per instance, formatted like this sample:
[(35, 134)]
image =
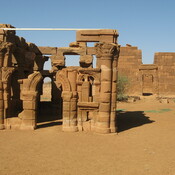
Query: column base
[(24, 127), (28, 125), (102, 130), (113, 129)]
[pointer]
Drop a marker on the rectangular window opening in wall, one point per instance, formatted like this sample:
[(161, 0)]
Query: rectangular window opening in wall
[(94, 63), (47, 64), (72, 60), (91, 44)]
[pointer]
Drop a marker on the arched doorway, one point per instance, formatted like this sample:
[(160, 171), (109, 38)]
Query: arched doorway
[(49, 104)]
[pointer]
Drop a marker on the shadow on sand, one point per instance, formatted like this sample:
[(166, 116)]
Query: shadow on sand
[(130, 119), (47, 116), (52, 123)]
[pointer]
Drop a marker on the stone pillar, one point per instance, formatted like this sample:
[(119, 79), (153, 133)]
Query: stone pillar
[(6, 80), (79, 112), (69, 123), (106, 51), (1, 93), (72, 76), (28, 115), (1, 104), (114, 96), (30, 95)]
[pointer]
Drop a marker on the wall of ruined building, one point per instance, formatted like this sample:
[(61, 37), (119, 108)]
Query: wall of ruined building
[(130, 59), (18, 60), (166, 73), (147, 79)]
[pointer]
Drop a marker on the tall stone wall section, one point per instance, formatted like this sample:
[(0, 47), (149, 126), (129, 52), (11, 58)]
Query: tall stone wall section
[(166, 73), (128, 66)]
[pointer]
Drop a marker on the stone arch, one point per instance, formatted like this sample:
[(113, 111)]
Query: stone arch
[(61, 79), (32, 82), (95, 76), (69, 102), (29, 96)]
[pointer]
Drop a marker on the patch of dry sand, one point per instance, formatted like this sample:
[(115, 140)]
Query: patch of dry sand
[(144, 146)]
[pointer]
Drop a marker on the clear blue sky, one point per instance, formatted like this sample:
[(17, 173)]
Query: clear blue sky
[(148, 24)]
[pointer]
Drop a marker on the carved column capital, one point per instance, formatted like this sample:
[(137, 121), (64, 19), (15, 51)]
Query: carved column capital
[(106, 49)]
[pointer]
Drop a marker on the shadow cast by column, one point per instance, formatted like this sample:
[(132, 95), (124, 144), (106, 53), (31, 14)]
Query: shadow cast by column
[(130, 119)]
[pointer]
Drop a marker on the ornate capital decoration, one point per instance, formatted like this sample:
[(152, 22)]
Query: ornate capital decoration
[(106, 49)]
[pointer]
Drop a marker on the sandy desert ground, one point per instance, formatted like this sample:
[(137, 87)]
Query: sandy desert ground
[(145, 145)]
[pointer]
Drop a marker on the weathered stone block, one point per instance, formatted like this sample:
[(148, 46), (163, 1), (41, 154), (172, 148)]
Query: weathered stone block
[(66, 114), (66, 96), (105, 98), (66, 106), (104, 107), (29, 105), (106, 87)]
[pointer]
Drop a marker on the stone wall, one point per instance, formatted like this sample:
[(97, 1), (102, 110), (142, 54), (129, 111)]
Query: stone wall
[(128, 65), (166, 73), (147, 79)]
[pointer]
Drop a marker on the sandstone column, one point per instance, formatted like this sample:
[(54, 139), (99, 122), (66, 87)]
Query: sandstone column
[(1, 103), (28, 115), (2, 54), (103, 121), (114, 96), (72, 76)]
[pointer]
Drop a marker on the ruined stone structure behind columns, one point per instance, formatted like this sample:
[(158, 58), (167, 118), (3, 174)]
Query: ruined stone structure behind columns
[(128, 66), (147, 79), (166, 73)]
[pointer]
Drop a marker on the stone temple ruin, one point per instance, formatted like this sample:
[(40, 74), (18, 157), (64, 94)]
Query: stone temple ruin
[(84, 97), (156, 79)]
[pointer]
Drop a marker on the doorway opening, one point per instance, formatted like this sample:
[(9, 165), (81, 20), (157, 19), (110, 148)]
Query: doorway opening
[(48, 113)]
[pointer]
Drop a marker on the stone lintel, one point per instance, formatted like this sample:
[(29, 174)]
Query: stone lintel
[(85, 105), (89, 70), (48, 50), (148, 67), (101, 35)]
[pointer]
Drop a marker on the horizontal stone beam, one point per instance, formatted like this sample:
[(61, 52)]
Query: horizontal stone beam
[(48, 50)]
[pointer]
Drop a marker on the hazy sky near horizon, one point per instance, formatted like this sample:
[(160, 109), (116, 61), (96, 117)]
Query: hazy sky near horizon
[(148, 24)]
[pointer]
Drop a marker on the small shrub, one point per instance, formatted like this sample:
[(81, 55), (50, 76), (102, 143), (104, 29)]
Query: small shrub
[(122, 85)]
